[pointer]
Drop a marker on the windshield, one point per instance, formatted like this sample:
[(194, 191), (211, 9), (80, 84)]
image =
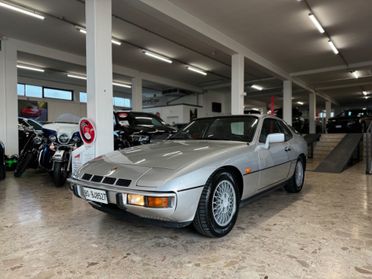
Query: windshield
[(234, 128)]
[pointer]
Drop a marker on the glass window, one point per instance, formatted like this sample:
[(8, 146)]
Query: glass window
[(121, 102), (34, 91), (269, 126), (147, 121), (234, 128), (20, 89), (83, 97), (57, 94), (285, 130)]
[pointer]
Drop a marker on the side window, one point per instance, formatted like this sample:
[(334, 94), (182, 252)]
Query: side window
[(285, 130), (269, 126)]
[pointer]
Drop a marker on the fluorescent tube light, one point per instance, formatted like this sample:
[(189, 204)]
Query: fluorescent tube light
[(119, 84), (365, 93), (316, 23), (355, 74), (157, 56), (300, 103), (30, 68), (114, 41), (21, 10), (257, 87), (196, 70), (333, 47), (366, 97), (76, 76)]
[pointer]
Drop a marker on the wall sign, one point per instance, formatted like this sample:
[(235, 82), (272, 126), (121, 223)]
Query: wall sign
[(87, 131)]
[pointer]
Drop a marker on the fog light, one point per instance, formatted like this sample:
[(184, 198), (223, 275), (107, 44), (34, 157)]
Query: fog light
[(134, 199), (159, 202)]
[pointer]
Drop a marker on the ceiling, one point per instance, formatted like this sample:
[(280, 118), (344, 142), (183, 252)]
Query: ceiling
[(280, 31)]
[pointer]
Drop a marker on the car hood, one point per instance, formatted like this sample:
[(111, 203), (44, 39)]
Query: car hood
[(169, 154)]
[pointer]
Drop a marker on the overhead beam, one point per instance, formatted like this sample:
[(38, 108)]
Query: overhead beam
[(345, 85), (354, 66), (228, 84)]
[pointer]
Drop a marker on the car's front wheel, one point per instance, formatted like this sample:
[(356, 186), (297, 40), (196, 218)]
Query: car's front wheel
[(296, 183), (218, 206)]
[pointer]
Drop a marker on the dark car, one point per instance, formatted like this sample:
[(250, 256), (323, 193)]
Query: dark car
[(2, 161), (298, 122), (141, 127), (350, 121)]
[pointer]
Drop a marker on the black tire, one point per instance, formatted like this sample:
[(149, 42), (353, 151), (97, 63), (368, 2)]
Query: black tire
[(2, 172), (204, 221), (295, 185), (59, 174), (22, 164)]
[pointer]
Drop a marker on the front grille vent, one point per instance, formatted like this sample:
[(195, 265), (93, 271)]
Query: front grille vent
[(97, 178), (123, 182), (106, 180), (109, 180)]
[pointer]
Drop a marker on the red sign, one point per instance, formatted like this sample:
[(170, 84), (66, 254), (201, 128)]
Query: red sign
[(87, 131)]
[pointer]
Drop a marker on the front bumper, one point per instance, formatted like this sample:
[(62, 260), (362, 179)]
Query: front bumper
[(182, 211)]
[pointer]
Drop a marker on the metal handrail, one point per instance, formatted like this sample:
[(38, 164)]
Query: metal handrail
[(368, 145)]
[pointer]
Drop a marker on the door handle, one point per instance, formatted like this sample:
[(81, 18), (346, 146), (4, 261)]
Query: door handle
[(287, 148)]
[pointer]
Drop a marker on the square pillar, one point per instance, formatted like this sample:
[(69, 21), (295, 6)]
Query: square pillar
[(8, 97), (137, 94), (328, 110), (312, 113), (237, 84), (287, 101), (99, 72)]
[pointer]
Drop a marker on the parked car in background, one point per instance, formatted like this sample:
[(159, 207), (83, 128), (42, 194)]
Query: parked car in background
[(30, 123), (198, 176), (350, 121), (141, 128), (298, 122), (2, 161)]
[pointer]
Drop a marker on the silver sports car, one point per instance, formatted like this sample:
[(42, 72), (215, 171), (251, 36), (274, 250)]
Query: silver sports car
[(200, 175)]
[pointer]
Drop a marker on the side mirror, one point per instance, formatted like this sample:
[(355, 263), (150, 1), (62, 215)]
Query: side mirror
[(274, 138)]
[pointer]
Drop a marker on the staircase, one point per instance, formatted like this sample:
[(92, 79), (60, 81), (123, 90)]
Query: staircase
[(325, 145)]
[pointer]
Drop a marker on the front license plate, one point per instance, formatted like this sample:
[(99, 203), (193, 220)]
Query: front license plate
[(95, 195), (338, 126)]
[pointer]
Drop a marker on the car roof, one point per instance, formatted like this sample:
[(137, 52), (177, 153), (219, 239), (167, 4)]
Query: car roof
[(242, 115)]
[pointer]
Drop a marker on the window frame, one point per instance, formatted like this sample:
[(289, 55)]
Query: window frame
[(59, 89)]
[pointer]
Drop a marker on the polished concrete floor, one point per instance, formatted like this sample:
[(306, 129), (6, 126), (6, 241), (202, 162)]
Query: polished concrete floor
[(323, 232)]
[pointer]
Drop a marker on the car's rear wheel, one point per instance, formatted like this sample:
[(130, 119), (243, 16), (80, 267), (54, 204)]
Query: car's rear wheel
[(296, 183), (218, 206)]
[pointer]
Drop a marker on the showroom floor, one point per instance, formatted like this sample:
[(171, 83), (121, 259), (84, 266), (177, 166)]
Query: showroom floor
[(324, 232)]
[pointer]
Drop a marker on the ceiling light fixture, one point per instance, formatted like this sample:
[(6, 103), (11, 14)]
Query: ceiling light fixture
[(21, 10), (300, 103), (157, 56), (365, 93), (196, 70), (366, 97), (76, 76), (316, 23), (84, 31), (257, 87), (30, 68), (333, 47), (355, 74), (119, 84)]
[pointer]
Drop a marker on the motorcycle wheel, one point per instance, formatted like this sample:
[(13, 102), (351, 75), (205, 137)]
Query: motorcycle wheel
[(22, 164), (59, 174)]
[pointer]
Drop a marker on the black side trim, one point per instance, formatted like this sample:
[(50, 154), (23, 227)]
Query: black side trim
[(191, 188), (269, 167)]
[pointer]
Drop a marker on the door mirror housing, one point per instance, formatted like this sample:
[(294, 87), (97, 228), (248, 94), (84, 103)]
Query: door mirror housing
[(274, 138)]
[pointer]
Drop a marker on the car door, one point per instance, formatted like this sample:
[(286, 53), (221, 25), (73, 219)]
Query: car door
[(273, 162)]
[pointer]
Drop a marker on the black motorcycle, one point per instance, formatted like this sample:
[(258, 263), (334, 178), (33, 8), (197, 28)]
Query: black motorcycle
[(28, 157)]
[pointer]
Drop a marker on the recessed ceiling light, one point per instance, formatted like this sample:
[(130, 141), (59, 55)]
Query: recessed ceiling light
[(365, 93), (366, 97), (316, 23), (76, 76), (84, 31), (196, 70), (157, 56), (333, 47), (30, 68), (257, 87), (21, 10), (355, 74), (119, 84)]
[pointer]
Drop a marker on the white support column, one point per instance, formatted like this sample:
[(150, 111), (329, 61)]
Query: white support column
[(8, 97), (312, 113), (287, 101), (137, 94), (237, 84), (328, 110), (99, 71)]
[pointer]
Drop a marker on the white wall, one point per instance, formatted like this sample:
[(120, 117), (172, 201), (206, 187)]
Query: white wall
[(216, 96)]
